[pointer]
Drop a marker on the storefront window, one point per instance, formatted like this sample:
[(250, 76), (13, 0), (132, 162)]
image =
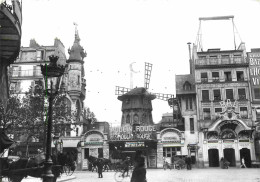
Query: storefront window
[(170, 151)]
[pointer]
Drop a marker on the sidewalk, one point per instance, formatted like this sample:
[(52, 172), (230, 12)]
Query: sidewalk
[(63, 177)]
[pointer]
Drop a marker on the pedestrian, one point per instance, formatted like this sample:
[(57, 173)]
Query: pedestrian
[(226, 163), (222, 163), (188, 162), (243, 163), (126, 164), (139, 173), (164, 163), (100, 168)]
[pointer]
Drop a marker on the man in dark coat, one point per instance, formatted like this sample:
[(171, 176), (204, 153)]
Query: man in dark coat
[(188, 162), (139, 173), (100, 168), (126, 164)]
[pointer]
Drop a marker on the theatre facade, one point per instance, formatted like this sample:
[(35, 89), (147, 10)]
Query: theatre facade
[(228, 137)]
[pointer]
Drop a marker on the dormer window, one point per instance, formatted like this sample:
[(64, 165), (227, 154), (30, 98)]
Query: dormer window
[(187, 86)]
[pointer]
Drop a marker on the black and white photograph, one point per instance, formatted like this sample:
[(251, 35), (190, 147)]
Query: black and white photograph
[(130, 90)]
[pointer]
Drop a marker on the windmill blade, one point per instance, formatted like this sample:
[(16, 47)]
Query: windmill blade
[(121, 90), (147, 74), (164, 97)]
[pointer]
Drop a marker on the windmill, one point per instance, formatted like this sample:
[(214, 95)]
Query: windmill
[(136, 102)]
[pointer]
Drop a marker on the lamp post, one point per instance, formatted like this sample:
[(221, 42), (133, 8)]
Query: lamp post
[(52, 75)]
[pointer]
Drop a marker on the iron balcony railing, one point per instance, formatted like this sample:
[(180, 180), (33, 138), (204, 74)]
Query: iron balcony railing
[(221, 61), (26, 73)]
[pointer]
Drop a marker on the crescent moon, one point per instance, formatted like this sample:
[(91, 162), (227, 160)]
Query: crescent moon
[(131, 67)]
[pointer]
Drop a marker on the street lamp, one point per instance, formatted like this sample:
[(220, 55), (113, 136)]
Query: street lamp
[(52, 75)]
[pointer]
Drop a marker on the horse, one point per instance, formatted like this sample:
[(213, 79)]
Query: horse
[(34, 167), (93, 162), (106, 164)]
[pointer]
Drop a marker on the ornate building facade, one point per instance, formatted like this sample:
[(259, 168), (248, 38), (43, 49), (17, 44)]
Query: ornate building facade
[(25, 72), (223, 107)]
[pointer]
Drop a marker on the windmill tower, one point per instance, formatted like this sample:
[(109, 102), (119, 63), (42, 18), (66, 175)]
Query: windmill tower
[(137, 102)]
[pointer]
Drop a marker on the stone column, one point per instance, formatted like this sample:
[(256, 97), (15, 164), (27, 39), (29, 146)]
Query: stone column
[(159, 162), (159, 155)]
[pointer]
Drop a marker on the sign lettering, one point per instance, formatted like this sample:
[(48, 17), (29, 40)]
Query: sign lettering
[(254, 68), (133, 133)]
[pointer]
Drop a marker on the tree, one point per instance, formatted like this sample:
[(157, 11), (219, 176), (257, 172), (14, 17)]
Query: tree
[(11, 117)]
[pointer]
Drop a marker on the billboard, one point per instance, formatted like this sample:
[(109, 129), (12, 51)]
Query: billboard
[(135, 132)]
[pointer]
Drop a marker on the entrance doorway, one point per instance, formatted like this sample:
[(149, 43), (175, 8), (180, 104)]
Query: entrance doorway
[(245, 153), (229, 155), (213, 158)]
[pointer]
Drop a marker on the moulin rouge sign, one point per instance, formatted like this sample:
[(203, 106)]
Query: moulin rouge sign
[(133, 133), (254, 66)]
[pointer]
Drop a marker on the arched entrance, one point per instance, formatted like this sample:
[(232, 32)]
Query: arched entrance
[(229, 154), (245, 153), (213, 157)]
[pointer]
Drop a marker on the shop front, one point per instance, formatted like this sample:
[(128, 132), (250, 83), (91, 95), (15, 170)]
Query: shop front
[(170, 144), (230, 139), (126, 141), (93, 143)]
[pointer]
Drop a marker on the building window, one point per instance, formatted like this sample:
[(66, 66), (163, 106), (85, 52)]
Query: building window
[(215, 76), (242, 94), (128, 118), (187, 86), (217, 112), (171, 151), (191, 125), (188, 103), (15, 71), (229, 94), (227, 76), (240, 76), (243, 112), (257, 93), (204, 77), (190, 98), (205, 95), (78, 79), (40, 55), (206, 113), (217, 96), (77, 131)]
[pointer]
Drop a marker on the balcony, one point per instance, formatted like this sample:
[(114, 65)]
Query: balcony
[(25, 73), (10, 31), (221, 62)]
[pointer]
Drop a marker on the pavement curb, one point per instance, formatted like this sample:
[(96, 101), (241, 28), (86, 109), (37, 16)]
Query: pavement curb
[(66, 179)]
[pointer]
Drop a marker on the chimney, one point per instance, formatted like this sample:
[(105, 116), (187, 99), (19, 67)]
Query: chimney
[(190, 60), (33, 44)]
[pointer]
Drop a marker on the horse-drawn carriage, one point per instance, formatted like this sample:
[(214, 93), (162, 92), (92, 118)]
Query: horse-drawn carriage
[(93, 163), (17, 169)]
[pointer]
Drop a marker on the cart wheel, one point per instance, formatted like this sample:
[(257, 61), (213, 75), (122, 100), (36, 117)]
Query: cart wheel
[(119, 176)]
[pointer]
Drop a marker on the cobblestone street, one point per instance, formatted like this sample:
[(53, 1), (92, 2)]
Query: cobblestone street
[(195, 175)]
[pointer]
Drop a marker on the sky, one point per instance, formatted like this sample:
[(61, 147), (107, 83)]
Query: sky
[(116, 33)]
